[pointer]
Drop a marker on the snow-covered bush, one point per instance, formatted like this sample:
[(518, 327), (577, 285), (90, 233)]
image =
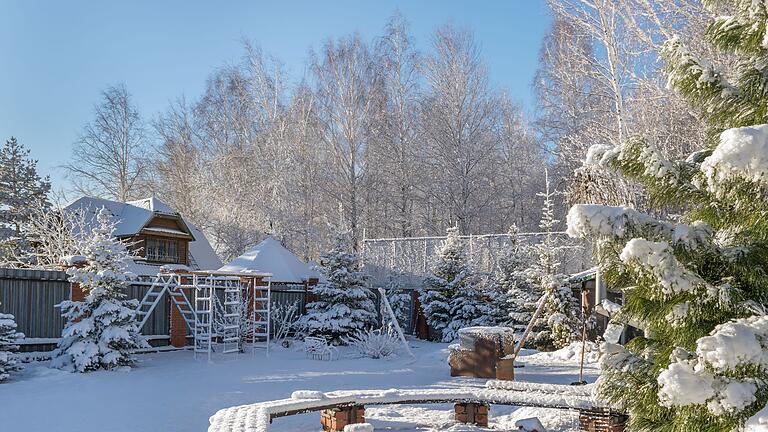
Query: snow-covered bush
[(9, 338), (101, 332), (343, 305), (283, 318), (378, 343)]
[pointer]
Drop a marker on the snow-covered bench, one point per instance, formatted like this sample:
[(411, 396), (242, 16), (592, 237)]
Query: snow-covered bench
[(257, 417), (318, 349)]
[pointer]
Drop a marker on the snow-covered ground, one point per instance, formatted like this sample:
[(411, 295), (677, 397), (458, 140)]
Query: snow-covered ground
[(172, 391)]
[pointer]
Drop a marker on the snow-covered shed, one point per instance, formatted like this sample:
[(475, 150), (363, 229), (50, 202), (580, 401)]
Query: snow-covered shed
[(270, 256), (159, 234)]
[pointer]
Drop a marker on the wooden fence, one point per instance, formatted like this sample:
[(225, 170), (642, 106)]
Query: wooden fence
[(32, 297)]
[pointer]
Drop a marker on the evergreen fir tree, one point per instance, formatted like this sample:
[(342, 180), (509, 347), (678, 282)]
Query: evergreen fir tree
[(399, 300), (9, 338), (343, 305), (22, 191), (467, 307), (514, 299), (559, 322), (699, 284), (101, 332), (450, 275)]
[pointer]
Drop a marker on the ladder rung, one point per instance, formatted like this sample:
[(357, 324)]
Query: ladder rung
[(232, 339), (203, 311), (230, 303), (229, 327), (261, 299), (147, 303), (153, 294), (261, 310), (231, 315)]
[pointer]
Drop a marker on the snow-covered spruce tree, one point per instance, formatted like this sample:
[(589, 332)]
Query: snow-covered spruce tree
[(9, 338), (101, 332), (449, 276), (343, 305), (399, 300), (561, 312), (514, 296), (698, 286), (22, 191), (468, 306)]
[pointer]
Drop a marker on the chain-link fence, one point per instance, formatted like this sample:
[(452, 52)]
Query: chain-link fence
[(409, 259)]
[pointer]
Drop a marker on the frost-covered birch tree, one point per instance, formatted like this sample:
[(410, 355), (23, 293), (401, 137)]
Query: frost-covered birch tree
[(109, 157), (346, 81), (459, 114)]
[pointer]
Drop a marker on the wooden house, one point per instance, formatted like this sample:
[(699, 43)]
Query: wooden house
[(156, 233)]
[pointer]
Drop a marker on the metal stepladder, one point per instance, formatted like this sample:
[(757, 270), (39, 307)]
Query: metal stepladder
[(217, 319), (172, 284), (261, 309), (204, 313), (222, 317)]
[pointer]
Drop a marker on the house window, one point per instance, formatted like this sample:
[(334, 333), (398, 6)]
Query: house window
[(162, 250)]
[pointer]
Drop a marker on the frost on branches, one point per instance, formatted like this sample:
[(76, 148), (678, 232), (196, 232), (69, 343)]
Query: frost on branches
[(101, 332), (343, 305), (698, 287), (449, 297), (9, 338)]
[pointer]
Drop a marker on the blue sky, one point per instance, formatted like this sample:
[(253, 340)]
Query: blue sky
[(56, 56)]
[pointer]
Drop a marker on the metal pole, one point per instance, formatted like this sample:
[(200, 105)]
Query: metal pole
[(252, 284), (583, 331), (385, 302), (269, 311), (539, 309)]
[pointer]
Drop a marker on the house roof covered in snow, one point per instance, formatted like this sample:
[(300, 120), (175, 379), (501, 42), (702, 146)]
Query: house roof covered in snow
[(133, 216), (270, 256)]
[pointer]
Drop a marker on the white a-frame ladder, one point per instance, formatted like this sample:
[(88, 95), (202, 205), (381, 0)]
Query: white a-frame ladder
[(162, 283)]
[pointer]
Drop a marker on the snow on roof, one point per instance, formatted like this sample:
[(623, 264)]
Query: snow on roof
[(131, 218), (154, 205), (272, 257)]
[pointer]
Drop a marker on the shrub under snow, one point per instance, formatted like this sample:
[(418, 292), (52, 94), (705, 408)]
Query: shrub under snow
[(374, 344)]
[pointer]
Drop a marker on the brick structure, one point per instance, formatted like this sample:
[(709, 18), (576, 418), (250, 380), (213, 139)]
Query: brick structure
[(178, 327), (334, 419), (598, 420), (505, 369), (472, 413), (77, 293), (482, 357)]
